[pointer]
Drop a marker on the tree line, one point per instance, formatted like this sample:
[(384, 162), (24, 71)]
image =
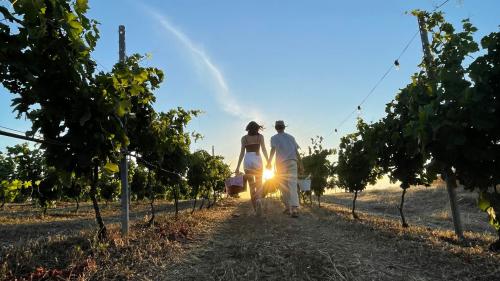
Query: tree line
[(25, 177)]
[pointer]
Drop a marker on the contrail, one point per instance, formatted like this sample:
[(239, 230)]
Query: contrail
[(223, 94)]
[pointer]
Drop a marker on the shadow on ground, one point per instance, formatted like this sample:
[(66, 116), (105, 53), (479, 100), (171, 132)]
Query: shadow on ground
[(423, 206), (72, 224)]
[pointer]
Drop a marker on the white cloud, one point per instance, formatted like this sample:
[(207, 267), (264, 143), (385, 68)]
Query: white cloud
[(223, 95)]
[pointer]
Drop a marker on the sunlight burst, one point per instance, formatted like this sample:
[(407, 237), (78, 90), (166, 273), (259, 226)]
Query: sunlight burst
[(268, 174)]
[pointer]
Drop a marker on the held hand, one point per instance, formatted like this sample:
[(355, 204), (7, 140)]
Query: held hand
[(268, 166), (301, 171), (237, 172), (300, 168)]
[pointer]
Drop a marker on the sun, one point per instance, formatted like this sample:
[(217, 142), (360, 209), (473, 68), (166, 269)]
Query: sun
[(268, 174)]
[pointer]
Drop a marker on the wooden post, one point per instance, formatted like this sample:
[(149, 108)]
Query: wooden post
[(425, 47), (447, 174), (123, 163), (451, 187)]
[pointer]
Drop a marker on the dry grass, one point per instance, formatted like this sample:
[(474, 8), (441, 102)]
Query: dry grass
[(327, 244), (139, 257), (231, 243), (64, 211), (22, 222), (426, 206), (443, 215)]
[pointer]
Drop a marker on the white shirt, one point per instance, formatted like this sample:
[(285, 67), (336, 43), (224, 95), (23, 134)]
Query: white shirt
[(286, 147)]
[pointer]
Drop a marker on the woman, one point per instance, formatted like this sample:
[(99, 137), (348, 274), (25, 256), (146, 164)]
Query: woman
[(251, 144)]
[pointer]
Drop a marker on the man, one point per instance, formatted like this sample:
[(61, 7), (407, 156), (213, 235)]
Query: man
[(287, 156)]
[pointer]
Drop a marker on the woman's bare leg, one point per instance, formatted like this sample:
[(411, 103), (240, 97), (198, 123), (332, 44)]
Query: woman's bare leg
[(253, 193), (259, 192), (251, 184), (258, 185)]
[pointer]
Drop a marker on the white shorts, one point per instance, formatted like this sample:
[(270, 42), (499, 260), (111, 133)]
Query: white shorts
[(252, 161)]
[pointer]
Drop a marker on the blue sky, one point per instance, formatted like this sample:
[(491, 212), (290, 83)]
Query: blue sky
[(307, 62)]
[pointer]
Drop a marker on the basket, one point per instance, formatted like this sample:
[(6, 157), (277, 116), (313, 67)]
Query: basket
[(234, 185), (304, 185)]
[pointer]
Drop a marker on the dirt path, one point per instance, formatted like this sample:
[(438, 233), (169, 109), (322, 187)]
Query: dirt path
[(323, 244)]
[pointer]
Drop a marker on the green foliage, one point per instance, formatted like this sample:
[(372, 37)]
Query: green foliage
[(8, 189), (318, 166), (29, 168), (86, 117), (207, 174), (398, 153), (49, 189), (441, 119), (173, 144), (489, 202), (46, 63), (356, 167), (446, 121), (478, 167), (453, 114), (74, 188), (357, 161), (100, 128), (109, 187), (456, 117), (7, 167), (139, 182), (220, 171), (198, 175)]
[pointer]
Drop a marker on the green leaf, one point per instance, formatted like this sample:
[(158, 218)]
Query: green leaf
[(122, 108), (491, 214), (141, 77), (82, 6), (125, 140), (111, 167), (483, 202), (90, 38), (74, 24), (135, 90)]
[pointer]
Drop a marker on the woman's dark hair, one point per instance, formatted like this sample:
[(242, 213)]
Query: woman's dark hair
[(253, 128)]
